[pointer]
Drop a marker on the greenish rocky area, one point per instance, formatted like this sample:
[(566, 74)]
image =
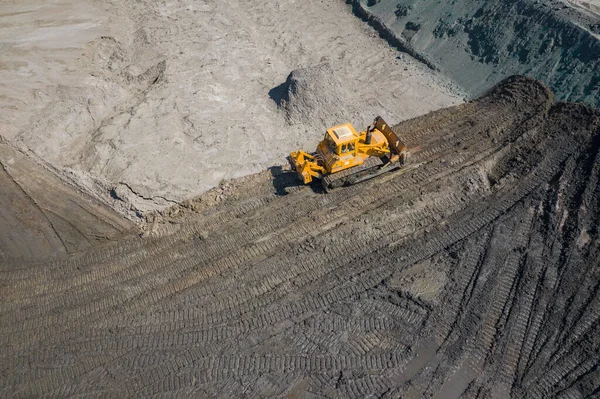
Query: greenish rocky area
[(477, 43)]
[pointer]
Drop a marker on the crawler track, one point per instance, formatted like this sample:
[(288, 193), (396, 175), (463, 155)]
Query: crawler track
[(472, 272)]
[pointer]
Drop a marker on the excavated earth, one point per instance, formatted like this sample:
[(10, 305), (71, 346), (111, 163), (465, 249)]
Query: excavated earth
[(473, 272), (42, 217)]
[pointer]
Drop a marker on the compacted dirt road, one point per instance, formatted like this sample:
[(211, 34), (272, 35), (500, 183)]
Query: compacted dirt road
[(473, 271)]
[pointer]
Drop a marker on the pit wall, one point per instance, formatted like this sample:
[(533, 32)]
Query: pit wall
[(477, 43)]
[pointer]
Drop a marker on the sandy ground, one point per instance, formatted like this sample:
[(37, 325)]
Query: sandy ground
[(152, 103), (590, 5), (40, 45)]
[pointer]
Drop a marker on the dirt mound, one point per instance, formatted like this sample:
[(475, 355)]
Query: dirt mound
[(471, 272), (316, 97)]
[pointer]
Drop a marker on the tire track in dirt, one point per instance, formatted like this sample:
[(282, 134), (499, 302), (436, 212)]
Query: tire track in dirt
[(296, 289)]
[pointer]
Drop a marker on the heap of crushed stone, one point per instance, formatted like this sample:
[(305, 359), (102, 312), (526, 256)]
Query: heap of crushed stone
[(316, 97)]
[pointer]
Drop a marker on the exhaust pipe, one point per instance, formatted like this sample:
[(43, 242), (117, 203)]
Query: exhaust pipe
[(369, 134)]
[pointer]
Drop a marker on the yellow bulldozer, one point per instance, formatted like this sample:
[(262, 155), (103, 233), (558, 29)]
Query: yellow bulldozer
[(345, 157)]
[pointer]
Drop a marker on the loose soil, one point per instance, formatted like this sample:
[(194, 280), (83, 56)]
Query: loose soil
[(42, 217), (472, 272)]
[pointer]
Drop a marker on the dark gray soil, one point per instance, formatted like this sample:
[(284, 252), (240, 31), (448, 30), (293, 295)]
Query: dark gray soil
[(42, 217), (472, 272)]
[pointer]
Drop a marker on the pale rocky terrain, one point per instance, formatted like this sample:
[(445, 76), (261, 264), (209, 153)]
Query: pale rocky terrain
[(592, 6), (142, 104)]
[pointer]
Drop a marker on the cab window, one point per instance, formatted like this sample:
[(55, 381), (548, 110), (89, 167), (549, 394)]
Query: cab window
[(331, 144)]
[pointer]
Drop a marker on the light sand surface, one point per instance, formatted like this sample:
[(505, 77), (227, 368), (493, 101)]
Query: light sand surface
[(154, 102), (592, 5)]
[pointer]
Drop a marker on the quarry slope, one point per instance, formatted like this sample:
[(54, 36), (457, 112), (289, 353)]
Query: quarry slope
[(479, 43), (472, 272), (42, 217)]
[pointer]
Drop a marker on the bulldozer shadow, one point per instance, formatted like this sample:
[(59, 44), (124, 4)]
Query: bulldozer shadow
[(286, 181)]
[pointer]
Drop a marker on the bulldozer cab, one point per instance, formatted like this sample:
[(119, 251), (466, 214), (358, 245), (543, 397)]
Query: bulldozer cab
[(342, 140)]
